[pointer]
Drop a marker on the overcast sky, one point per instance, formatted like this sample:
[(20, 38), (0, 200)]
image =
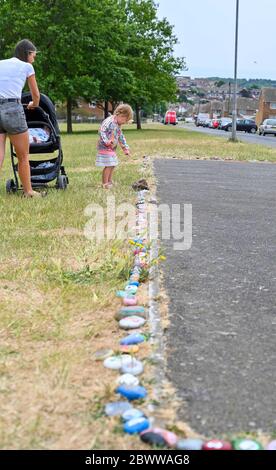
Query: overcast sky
[(206, 34)]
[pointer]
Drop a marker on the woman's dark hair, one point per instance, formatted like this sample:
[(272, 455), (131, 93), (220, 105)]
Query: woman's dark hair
[(23, 48)]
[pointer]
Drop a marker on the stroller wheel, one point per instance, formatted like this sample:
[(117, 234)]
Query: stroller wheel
[(11, 186), (61, 182)]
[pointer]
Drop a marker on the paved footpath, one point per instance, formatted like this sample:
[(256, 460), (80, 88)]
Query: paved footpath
[(221, 340)]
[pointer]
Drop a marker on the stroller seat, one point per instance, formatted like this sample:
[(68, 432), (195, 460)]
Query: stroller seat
[(42, 168)]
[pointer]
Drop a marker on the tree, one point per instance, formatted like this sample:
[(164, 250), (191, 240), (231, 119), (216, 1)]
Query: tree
[(110, 50), (245, 93), (182, 96), (70, 46), (219, 83)]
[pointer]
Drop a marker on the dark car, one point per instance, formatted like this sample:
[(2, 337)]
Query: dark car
[(246, 125)]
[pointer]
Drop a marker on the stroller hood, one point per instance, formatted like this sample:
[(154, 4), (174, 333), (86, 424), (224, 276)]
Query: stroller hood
[(46, 105)]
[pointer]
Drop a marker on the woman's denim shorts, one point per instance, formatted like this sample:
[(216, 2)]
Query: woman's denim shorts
[(12, 118)]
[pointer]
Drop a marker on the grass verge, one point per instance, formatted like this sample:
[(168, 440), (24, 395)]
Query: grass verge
[(57, 294)]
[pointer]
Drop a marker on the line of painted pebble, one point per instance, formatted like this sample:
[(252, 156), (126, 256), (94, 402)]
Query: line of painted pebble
[(133, 316)]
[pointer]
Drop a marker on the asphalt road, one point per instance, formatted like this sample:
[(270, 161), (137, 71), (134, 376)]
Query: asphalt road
[(268, 140), (221, 339)]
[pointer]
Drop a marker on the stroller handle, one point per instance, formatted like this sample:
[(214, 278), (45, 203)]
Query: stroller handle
[(35, 107)]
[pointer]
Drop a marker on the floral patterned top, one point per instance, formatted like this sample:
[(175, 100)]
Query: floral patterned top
[(110, 135)]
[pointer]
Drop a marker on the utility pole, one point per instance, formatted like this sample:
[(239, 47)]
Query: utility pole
[(229, 97), (234, 113)]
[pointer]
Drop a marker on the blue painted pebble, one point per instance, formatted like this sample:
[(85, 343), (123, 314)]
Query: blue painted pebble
[(133, 309), (131, 289), (135, 338), (136, 425), (132, 393), (120, 293)]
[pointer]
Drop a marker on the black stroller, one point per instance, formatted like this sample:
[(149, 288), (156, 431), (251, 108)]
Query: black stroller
[(42, 171)]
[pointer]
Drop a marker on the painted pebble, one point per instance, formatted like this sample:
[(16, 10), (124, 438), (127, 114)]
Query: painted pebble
[(129, 301), (152, 438), (128, 379), (116, 362), (117, 408), (129, 323), (102, 354), (246, 444), (121, 293), (189, 444), (131, 289), (133, 413), (132, 393), (216, 444), (134, 367), (135, 338), (271, 445), (136, 425), (134, 309), (129, 348), (169, 437), (120, 315)]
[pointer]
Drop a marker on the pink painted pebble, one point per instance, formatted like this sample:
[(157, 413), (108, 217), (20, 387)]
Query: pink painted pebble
[(216, 444), (271, 445), (130, 301), (169, 437)]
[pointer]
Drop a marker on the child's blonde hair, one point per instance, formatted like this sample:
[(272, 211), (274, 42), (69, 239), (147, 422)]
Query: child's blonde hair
[(124, 110)]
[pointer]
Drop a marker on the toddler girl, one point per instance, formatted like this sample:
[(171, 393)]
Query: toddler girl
[(110, 135)]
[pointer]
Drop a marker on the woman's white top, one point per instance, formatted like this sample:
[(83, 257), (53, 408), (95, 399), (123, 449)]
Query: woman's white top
[(13, 75)]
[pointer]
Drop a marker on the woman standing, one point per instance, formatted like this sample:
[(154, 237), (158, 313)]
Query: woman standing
[(13, 74)]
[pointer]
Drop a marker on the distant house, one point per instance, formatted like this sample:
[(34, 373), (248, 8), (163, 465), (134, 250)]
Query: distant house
[(267, 105), (246, 107), (94, 110)]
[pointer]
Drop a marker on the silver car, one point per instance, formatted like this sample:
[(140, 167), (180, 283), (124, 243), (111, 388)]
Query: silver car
[(268, 127)]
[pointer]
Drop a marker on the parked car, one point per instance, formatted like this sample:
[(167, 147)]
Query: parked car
[(170, 118), (268, 127), (189, 119), (214, 124), (201, 119), (224, 121), (206, 122), (246, 125)]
